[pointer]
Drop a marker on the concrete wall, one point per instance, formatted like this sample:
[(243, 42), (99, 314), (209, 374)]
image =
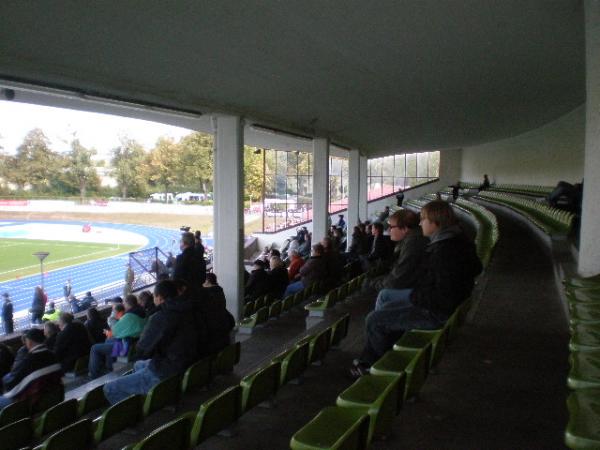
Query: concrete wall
[(542, 156)]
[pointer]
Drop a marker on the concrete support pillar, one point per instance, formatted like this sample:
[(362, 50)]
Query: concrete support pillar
[(353, 192), (363, 189), (320, 179), (589, 247), (229, 210)]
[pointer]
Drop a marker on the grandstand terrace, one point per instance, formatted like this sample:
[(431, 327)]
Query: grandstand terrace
[(510, 89)]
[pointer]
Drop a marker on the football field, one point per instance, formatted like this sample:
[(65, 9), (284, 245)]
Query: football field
[(17, 260)]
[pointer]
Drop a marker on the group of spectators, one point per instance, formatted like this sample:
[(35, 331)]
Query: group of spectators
[(432, 273), (182, 321)]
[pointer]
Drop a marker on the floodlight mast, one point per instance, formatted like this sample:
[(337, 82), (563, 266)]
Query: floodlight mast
[(41, 256)]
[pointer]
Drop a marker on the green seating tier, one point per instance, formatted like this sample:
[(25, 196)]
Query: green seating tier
[(55, 418), (419, 339), (93, 400), (585, 370), (173, 436), (77, 436), (226, 359), (16, 435), (548, 219), (293, 363), (583, 429), (162, 394), (318, 307), (258, 318), (260, 386), (334, 428), (197, 375), (13, 412), (380, 397), (124, 414)]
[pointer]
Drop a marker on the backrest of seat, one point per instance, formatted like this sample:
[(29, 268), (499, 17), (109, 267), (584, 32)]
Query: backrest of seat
[(162, 394), (17, 434), (260, 386), (248, 309), (259, 303), (197, 375), (299, 297), (92, 401), (294, 363), (275, 309), (13, 412), (57, 417), (74, 437), (226, 359), (172, 436), (48, 399), (119, 416), (262, 315), (217, 414), (319, 345), (287, 303)]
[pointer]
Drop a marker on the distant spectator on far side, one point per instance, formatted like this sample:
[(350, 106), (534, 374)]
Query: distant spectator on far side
[(51, 313), (7, 314), (296, 261)]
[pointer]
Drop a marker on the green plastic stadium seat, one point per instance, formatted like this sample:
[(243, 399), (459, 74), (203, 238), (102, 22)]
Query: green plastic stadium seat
[(16, 435), (299, 297), (248, 309), (585, 338), (583, 296), (172, 436), (216, 414), (260, 302), (332, 429), (583, 429), (275, 309), (585, 370), (55, 418), (339, 330), (287, 303), (584, 282), (318, 307), (164, 393), (414, 362), (74, 437), (197, 375), (319, 346), (92, 401), (584, 313), (127, 413), (260, 386), (226, 359), (380, 397), (13, 412), (418, 339), (48, 399), (342, 292), (293, 363), (258, 318)]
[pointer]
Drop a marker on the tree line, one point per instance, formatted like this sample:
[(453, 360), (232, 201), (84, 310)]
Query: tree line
[(36, 169)]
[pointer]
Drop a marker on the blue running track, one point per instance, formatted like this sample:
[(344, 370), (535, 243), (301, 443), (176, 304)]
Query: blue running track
[(91, 275)]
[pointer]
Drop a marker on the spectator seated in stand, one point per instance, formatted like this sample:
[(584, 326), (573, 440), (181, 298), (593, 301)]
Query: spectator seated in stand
[(211, 306), (188, 266), (7, 358), (34, 371), (278, 277), (381, 248), (51, 330), (446, 278), (74, 304), (146, 300), (314, 270), (383, 216), (166, 348), (51, 314), (296, 261), (258, 282), (87, 302), (334, 264), (408, 254), (96, 325), (72, 342), (128, 327), (358, 238)]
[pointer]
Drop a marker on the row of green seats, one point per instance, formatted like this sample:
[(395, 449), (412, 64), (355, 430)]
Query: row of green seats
[(583, 403), (366, 410), (219, 414), (20, 430), (273, 309), (522, 189), (334, 296), (550, 220)]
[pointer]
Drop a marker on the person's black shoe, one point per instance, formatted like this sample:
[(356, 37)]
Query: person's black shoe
[(358, 371)]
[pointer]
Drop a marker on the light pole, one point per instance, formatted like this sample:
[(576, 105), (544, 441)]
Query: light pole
[(41, 256)]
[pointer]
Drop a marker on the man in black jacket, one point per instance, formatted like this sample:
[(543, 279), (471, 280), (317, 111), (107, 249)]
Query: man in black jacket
[(168, 345), (34, 370), (72, 342), (446, 278), (188, 266)]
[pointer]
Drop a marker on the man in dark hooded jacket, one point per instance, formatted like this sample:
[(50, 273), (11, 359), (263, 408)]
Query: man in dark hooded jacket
[(167, 346)]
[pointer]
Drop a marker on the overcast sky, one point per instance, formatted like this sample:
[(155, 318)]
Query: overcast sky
[(100, 131)]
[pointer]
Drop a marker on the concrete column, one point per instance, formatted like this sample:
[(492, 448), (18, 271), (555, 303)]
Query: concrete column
[(353, 192), (320, 179), (229, 210), (363, 181), (589, 247)]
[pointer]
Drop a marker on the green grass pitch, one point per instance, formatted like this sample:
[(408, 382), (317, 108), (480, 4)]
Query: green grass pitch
[(17, 255)]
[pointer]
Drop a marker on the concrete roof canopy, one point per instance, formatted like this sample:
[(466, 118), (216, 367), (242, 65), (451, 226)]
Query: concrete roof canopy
[(384, 77)]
